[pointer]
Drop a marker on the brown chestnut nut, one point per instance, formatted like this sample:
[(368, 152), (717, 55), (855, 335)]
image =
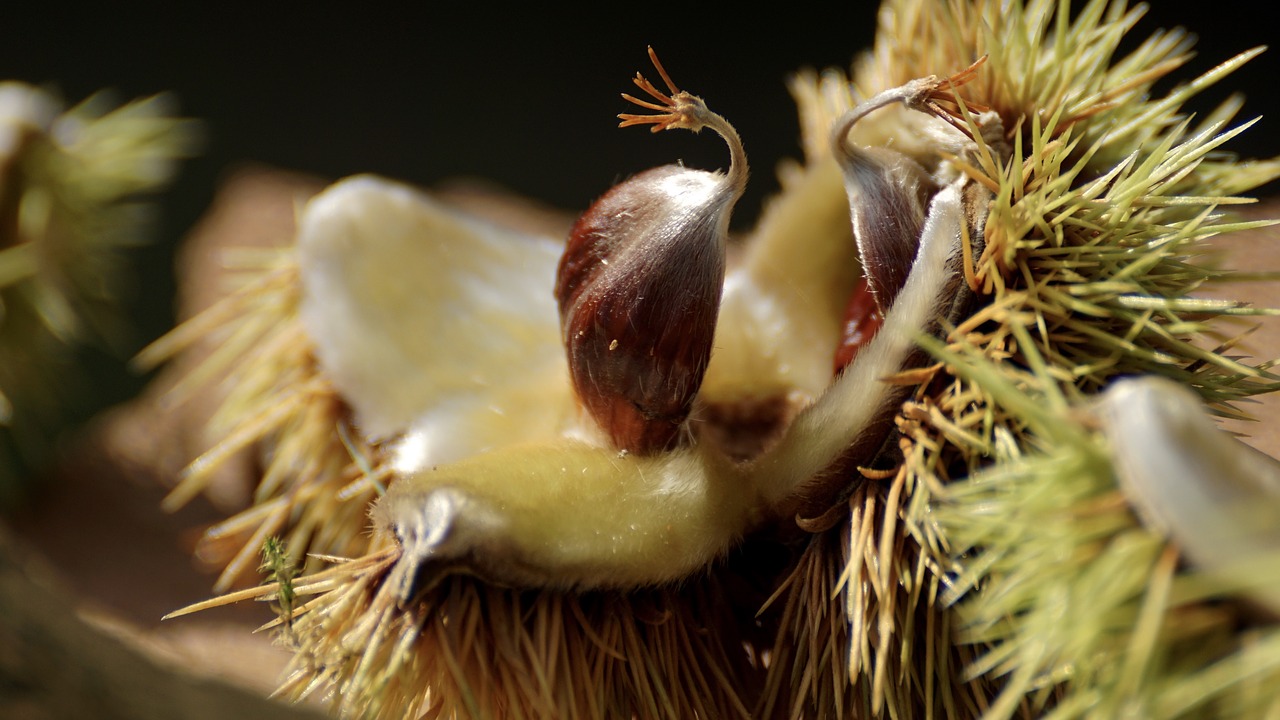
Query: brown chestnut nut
[(888, 191), (639, 283), (888, 197)]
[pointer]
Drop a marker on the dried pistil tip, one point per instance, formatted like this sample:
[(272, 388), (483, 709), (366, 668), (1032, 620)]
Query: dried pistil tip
[(640, 281)]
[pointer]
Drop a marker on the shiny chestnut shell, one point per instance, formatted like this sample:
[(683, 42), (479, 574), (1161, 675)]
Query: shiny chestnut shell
[(639, 291)]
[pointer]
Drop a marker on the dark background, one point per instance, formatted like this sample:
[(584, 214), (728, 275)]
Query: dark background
[(526, 99)]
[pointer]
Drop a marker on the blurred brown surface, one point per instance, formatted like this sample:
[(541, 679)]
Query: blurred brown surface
[(1256, 251), (54, 663)]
